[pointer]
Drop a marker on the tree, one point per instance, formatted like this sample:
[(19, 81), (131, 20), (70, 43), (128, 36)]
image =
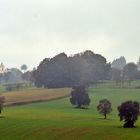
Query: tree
[(27, 76), (130, 72), (24, 67), (96, 68), (2, 99), (79, 97), (39, 75), (117, 76), (13, 75), (129, 112), (138, 64), (119, 63), (62, 71), (104, 107)]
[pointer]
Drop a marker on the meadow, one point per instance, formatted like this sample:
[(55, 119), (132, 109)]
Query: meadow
[(59, 120)]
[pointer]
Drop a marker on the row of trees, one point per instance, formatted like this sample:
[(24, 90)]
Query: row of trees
[(14, 75), (63, 71), (128, 74), (83, 68), (128, 111), (120, 63), (125, 72)]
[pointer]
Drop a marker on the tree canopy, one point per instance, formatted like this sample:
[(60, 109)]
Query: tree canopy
[(104, 107), (119, 63), (130, 72), (62, 71), (129, 112), (24, 67), (79, 97)]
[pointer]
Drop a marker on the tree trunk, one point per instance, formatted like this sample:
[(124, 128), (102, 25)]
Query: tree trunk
[(129, 124), (79, 105), (105, 117)]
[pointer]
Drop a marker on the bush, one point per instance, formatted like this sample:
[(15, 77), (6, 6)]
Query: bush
[(129, 112), (79, 97)]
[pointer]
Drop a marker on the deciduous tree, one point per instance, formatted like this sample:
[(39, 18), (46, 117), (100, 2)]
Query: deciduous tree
[(104, 107), (79, 97), (129, 112)]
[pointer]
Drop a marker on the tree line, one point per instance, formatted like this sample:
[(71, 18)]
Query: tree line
[(86, 68), (62, 71), (15, 75), (126, 74)]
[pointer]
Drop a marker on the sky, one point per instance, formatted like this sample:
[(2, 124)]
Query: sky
[(31, 30)]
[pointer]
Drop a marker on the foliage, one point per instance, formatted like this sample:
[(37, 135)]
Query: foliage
[(129, 112), (104, 107), (117, 76), (14, 75), (79, 97), (27, 76), (138, 64), (62, 71), (2, 100), (16, 86), (24, 67), (130, 72), (119, 63)]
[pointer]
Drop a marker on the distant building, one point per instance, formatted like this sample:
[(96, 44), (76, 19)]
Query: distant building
[(3, 69)]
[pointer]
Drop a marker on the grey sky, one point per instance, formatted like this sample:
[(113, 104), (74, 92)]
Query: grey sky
[(31, 30)]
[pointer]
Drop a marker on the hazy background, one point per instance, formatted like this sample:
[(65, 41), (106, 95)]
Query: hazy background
[(31, 30)]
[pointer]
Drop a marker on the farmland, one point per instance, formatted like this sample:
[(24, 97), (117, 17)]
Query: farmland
[(34, 95), (58, 119)]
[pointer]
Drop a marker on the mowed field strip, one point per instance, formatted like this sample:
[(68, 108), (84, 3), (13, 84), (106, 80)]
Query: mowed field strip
[(34, 95)]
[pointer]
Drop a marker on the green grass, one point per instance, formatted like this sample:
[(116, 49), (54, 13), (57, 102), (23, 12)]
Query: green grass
[(58, 120)]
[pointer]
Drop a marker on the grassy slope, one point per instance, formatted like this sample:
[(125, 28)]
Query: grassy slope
[(58, 120)]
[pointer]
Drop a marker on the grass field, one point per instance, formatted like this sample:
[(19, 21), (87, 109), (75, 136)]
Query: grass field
[(58, 120)]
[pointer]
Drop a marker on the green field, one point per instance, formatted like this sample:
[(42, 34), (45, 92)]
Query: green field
[(58, 120)]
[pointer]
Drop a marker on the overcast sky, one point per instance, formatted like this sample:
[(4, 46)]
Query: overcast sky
[(31, 30)]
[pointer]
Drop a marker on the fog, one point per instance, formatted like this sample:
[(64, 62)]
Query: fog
[(32, 30)]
